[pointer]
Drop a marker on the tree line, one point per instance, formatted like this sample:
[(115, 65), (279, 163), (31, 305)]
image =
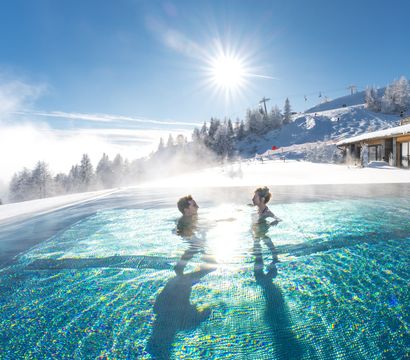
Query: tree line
[(39, 182), (220, 137), (209, 144)]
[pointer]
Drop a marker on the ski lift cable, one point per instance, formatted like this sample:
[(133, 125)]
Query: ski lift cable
[(322, 92)]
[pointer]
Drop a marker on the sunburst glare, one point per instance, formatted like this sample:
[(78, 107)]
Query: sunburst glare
[(227, 69), (228, 72)]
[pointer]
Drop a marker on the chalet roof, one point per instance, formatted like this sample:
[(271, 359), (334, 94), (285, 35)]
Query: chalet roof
[(380, 134)]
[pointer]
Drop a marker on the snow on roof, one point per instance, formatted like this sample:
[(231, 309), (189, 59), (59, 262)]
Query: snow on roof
[(394, 131)]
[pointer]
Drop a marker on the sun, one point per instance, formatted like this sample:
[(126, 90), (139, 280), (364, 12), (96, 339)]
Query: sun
[(227, 72)]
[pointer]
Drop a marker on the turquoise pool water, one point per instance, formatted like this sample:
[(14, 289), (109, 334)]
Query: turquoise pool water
[(105, 288)]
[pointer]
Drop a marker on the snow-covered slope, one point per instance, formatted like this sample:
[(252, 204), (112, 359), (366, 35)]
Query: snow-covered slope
[(344, 101), (327, 126)]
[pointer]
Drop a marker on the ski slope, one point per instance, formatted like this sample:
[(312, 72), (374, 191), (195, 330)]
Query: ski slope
[(323, 127)]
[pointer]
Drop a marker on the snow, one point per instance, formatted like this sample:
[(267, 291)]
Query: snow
[(348, 100), (393, 131), (320, 127), (277, 172), (42, 206)]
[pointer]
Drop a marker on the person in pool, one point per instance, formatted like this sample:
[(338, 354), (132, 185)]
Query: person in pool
[(261, 226), (187, 222), (187, 229), (260, 198)]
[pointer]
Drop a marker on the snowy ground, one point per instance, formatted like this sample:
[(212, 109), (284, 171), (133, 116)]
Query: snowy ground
[(42, 206), (277, 172)]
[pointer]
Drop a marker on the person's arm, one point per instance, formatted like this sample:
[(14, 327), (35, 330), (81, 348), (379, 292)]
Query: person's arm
[(187, 255), (275, 221)]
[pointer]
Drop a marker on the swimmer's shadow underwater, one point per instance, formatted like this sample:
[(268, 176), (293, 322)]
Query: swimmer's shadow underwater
[(174, 312)]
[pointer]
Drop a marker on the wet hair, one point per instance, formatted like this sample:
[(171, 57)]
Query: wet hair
[(183, 203), (264, 193)]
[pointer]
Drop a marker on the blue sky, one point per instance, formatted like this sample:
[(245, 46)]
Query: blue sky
[(150, 59)]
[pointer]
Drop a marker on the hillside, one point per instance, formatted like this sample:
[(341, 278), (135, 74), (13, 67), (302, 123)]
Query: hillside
[(325, 127), (343, 101)]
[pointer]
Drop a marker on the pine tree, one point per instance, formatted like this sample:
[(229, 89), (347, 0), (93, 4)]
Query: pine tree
[(118, 169), (373, 102), (230, 128), (396, 98), (196, 136), (74, 179), (241, 131), (104, 172), (20, 186), (255, 122), (276, 117), (61, 183), (42, 183), (388, 100), (402, 92), (223, 145), (170, 142), (204, 133), (287, 112), (86, 173), (213, 127), (161, 145)]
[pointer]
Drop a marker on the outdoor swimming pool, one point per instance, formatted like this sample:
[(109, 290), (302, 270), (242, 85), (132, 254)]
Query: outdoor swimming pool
[(104, 286)]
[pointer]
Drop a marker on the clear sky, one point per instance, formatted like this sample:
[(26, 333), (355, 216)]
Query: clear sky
[(63, 62)]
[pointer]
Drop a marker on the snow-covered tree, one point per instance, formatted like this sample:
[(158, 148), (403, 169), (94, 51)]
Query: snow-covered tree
[(20, 186), (86, 172), (74, 179), (161, 145), (204, 131), (373, 102), (255, 123), (402, 94), (104, 172), (276, 117), (61, 183), (240, 132), (287, 110), (213, 127), (223, 144), (230, 128), (170, 141), (196, 136), (118, 169), (396, 98), (388, 100), (41, 181)]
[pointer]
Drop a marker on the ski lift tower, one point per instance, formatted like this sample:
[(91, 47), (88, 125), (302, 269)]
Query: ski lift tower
[(353, 89), (264, 100)]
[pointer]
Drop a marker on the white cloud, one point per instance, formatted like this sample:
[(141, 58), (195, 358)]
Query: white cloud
[(174, 39), (14, 94), (103, 117)]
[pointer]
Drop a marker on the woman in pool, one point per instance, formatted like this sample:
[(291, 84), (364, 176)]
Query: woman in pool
[(261, 226), (260, 199)]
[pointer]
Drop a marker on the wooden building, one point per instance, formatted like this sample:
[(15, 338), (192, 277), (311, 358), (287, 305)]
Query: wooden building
[(390, 145)]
